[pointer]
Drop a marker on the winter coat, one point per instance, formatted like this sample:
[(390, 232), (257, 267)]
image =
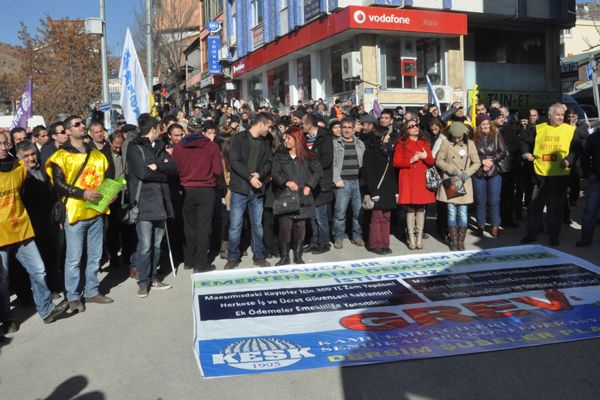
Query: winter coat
[(512, 143), (238, 158), (459, 157), (308, 173), (155, 200), (411, 179), (375, 161), (338, 155), (490, 148), (323, 148), (198, 161)]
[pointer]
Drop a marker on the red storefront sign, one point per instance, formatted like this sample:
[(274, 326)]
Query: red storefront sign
[(358, 18)]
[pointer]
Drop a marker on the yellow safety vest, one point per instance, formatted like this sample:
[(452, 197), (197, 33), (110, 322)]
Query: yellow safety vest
[(90, 179), (551, 147), (16, 226)]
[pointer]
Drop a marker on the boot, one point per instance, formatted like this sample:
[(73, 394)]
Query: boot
[(495, 232), (420, 225), (284, 253), (223, 251), (298, 249), (453, 233), (462, 234), (410, 230)]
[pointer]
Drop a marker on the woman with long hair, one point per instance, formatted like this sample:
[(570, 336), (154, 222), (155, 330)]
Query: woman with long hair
[(296, 169), (487, 181), (413, 157)]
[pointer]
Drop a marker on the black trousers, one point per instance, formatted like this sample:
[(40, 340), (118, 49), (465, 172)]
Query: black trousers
[(548, 191), (508, 198), (198, 208)]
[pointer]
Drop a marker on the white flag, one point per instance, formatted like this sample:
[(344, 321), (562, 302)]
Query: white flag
[(134, 92), (433, 99)]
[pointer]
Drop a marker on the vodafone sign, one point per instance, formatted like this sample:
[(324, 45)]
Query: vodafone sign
[(394, 19)]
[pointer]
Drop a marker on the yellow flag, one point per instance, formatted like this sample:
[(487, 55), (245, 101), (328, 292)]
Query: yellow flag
[(474, 101), (152, 107)]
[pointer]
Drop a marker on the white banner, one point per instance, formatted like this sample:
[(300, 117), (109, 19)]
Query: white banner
[(134, 92)]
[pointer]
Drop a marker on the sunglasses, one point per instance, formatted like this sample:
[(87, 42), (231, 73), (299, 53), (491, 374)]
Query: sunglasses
[(78, 124), (411, 126)]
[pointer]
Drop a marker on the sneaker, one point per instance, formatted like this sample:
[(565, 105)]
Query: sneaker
[(160, 286), (232, 264), (199, 270), (57, 311), (338, 244), (100, 299), (358, 242), (142, 291), (378, 251), (76, 306), (320, 249), (10, 326), (262, 263)]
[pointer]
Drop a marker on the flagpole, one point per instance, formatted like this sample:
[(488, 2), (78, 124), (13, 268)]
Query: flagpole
[(149, 44)]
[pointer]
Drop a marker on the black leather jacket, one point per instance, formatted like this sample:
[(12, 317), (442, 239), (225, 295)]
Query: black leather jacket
[(490, 148)]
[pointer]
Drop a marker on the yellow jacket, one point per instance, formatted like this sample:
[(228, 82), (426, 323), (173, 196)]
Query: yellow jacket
[(552, 145), (14, 221)]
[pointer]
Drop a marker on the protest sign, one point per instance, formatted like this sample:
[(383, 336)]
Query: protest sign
[(109, 188), (390, 309)]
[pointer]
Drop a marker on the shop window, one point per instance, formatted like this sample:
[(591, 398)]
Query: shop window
[(406, 61), (506, 47), (333, 71), (255, 90), (304, 87), (278, 84)]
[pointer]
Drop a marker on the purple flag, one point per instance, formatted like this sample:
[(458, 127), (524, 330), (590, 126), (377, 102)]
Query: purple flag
[(376, 108), (24, 109)]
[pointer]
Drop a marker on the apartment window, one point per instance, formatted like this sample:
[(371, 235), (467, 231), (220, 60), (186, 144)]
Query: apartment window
[(284, 5), (509, 47), (257, 12), (566, 33), (233, 27)]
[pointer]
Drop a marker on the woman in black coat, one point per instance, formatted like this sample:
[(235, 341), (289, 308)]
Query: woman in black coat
[(382, 186), (295, 169)]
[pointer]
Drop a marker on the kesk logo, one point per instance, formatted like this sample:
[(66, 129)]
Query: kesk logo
[(360, 17), (261, 354)]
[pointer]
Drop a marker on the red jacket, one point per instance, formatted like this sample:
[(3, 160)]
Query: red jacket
[(198, 160), (411, 179)]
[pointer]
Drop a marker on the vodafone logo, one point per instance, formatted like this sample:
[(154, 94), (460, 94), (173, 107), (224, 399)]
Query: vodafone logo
[(360, 17)]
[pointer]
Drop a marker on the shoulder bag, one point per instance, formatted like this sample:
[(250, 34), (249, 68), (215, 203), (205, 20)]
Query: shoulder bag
[(59, 210), (130, 212), (454, 186), (286, 202)]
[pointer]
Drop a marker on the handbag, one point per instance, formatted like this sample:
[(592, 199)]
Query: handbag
[(368, 202), (287, 201), (58, 214), (130, 212), (432, 179), (454, 186)]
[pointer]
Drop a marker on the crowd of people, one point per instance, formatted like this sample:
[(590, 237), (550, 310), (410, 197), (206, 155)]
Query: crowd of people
[(228, 177)]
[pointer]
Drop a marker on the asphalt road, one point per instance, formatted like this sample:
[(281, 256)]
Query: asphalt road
[(142, 349)]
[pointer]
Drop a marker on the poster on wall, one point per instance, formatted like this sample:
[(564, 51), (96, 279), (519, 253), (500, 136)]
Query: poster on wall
[(337, 314)]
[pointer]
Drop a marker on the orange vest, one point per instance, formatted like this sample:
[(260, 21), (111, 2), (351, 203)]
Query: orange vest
[(14, 220)]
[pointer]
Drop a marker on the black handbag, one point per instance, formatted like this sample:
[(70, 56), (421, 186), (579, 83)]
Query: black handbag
[(286, 202), (58, 214), (130, 212)]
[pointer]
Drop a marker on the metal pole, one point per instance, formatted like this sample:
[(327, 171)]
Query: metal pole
[(594, 81), (149, 44), (105, 95)]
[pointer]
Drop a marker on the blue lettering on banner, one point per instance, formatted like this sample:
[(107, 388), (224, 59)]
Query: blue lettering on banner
[(214, 44), (133, 103)]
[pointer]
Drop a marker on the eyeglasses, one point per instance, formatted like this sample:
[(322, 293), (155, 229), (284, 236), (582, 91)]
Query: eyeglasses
[(411, 126)]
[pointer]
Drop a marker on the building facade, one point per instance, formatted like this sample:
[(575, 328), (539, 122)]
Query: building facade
[(286, 51)]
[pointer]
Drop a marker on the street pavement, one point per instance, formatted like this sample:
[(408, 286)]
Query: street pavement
[(142, 349)]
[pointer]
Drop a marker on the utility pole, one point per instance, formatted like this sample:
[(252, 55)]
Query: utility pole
[(105, 95), (149, 44), (594, 81)]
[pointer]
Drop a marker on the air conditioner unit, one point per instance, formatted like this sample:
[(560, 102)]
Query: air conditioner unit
[(443, 93), (351, 65), (232, 41), (224, 53)]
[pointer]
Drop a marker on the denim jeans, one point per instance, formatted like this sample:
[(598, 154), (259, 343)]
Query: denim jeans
[(592, 205), (487, 193), (92, 232), (320, 226), (254, 204), (147, 254), (28, 255), (457, 215), (343, 196)]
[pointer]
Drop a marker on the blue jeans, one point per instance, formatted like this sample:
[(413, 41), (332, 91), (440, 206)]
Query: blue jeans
[(343, 196), (92, 232), (320, 226), (147, 254), (239, 203), (28, 255), (592, 205), (487, 193), (457, 215)]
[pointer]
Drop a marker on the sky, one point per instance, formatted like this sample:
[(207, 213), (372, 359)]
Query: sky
[(119, 15)]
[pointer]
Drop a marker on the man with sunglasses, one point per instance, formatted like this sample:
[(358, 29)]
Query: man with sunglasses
[(58, 137), (76, 170)]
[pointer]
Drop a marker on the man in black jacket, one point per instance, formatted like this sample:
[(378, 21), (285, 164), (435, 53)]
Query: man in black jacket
[(250, 160), (58, 137), (148, 170), (321, 144), (590, 164)]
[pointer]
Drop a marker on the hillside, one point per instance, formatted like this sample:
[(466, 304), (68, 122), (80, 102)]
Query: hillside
[(8, 58)]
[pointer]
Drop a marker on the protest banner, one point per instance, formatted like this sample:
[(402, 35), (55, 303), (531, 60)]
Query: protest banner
[(390, 309)]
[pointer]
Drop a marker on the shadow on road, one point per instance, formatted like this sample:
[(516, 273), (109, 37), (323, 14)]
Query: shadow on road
[(71, 389)]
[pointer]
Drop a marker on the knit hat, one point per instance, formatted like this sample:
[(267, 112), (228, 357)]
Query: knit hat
[(524, 113), (482, 117), (495, 113), (333, 122), (458, 130)]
